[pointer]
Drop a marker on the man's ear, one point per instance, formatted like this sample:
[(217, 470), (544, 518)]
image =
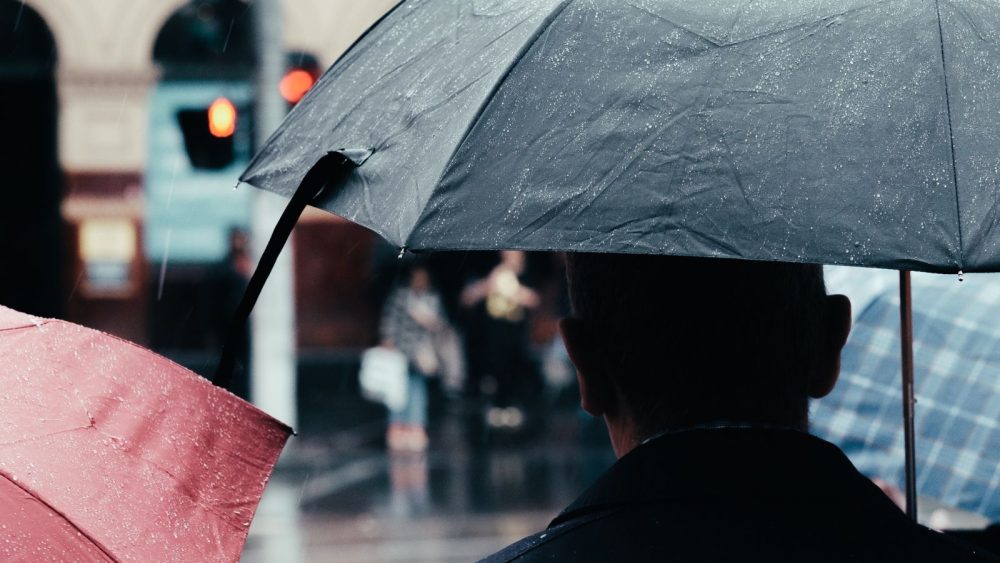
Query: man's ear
[(596, 391), (838, 326)]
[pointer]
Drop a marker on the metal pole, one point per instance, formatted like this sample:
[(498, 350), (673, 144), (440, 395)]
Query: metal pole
[(273, 359), (909, 399)]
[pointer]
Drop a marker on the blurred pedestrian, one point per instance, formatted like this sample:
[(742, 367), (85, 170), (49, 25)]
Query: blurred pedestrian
[(503, 365), (411, 317), (410, 495)]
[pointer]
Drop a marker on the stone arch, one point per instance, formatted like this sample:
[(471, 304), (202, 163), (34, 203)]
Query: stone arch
[(112, 36), (122, 33), (27, 41), (211, 38)]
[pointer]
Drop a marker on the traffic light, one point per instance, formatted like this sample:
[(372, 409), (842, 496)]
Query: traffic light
[(208, 134), (302, 71), (222, 118)]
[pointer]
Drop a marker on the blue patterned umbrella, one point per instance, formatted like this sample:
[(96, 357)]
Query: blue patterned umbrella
[(955, 327)]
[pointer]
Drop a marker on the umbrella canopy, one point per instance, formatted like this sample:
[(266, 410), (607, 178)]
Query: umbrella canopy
[(861, 132), (955, 333), (109, 452)]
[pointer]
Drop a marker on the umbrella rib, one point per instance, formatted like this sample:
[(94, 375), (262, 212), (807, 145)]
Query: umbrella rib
[(951, 138), (82, 532), (668, 21), (821, 21), (489, 100), (728, 42), (22, 327), (38, 437), (640, 149), (190, 493)]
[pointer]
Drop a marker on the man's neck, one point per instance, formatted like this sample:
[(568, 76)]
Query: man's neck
[(723, 424), (626, 434)]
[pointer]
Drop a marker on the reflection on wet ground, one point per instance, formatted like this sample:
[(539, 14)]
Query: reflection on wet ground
[(458, 502), (343, 498)]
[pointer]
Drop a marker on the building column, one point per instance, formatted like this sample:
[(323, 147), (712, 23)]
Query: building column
[(102, 148)]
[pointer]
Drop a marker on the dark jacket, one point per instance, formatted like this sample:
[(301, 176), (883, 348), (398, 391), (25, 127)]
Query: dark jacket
[(735, 495)]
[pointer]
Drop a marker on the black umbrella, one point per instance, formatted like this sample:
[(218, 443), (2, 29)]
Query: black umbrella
[(857, 132), (829, 131)]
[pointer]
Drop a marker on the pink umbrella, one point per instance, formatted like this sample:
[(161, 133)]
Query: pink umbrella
[(109, 452)]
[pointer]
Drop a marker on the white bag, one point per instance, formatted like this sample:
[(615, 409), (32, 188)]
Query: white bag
[(384, 377)]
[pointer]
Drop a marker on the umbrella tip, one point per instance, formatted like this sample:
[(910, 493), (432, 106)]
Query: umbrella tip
[(402, 251)]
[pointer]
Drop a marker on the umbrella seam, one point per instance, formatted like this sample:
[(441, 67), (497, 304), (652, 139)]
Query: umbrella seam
[(729, 42), (951, 138), (188, 493), (67, 519), (280, 425), (481, 111)]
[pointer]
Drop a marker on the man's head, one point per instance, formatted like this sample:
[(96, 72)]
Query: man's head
[(667, 342)]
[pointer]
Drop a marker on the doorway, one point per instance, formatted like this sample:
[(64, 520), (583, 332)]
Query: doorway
[(30, 224)]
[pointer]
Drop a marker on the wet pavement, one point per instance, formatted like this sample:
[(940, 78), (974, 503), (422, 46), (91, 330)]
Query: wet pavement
[(344, 498), (338, 496)]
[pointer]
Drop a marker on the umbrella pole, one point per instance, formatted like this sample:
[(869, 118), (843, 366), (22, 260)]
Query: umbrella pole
[(909, 400)]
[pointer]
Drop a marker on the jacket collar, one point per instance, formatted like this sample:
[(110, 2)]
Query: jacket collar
[(733, 462)]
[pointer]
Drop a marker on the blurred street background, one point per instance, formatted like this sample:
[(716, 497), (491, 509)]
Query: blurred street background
[(122, 212), (133, 120), (335, 499)]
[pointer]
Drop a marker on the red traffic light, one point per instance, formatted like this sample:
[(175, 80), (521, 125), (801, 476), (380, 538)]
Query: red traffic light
[(295, 84), (209, 133), (222, 118)]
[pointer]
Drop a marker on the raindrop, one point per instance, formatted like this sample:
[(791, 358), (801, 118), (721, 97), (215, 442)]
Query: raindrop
[(163, 266), (20, 12), (961, 276), (225, 44), (76, 285)]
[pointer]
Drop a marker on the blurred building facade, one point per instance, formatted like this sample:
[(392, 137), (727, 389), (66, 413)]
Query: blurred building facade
[(111, 226)]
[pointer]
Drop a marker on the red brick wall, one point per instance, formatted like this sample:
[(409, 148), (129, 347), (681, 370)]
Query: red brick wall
[(333, 308)]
